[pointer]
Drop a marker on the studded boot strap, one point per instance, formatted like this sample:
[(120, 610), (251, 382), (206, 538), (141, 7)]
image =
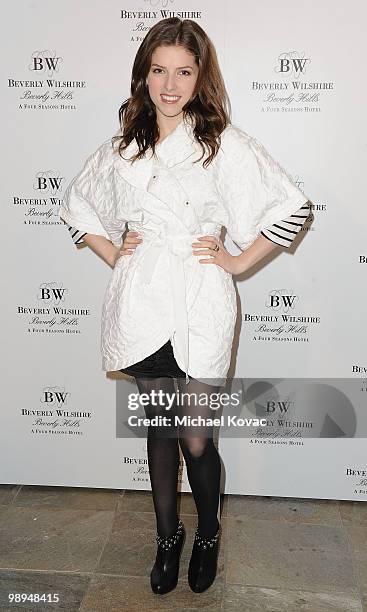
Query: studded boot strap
[(206, 542), (170, 541)]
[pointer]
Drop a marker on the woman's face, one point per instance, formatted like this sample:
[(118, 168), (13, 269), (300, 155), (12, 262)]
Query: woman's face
[(171, 80)]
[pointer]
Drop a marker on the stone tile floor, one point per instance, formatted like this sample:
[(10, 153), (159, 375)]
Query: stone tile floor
[(96, 547)]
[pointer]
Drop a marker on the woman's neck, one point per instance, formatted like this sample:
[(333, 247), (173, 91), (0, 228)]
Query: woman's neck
[(166, 127)]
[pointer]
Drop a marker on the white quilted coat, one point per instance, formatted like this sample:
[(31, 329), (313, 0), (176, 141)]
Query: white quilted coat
[(161, 291)]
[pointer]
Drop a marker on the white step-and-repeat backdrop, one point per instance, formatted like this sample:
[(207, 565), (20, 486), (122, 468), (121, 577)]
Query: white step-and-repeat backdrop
[(294, 74)]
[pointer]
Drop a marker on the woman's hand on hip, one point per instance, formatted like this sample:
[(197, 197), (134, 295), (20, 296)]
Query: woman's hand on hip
[(130, 243), (213, 247), (128, 246)]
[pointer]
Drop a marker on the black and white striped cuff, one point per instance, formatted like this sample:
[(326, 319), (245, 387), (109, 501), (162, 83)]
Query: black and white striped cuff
[(284, 232), (76, 235)]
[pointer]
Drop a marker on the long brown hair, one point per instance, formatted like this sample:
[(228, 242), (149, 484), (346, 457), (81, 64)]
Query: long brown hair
[(209, 106)]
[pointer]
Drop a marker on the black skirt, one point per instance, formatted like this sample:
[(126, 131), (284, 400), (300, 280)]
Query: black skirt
[(158, 364)]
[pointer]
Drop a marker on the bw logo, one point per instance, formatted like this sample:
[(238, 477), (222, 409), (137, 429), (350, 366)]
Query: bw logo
[(281, 299), (51, 292), (53, 395), (46, 182), (45, 62), (291, 64)]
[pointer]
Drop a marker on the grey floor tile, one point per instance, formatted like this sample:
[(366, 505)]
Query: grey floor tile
[(50, 539), (136, 501), (68, 588), (123, 594), (364, 601), (74, 498), (128, 550), (287, 509), (8, 493), (289, 556), (353, 513), (142, 501), (357, 535), (360, 564), (259, 599)]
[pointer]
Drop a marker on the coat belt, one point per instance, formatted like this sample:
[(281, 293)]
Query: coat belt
[(178, 248)]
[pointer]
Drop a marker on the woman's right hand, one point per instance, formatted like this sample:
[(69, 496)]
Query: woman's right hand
[(129, 244)]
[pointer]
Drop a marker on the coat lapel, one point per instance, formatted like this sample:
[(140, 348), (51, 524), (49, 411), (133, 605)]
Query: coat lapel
[(136, 174), (177, 147)]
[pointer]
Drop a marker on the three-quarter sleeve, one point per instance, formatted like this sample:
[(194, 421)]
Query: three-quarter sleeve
[(79, 205), (256, 191), (285, 231)]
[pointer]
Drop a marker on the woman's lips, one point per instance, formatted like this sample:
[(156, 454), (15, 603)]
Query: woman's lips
[(170, 99)]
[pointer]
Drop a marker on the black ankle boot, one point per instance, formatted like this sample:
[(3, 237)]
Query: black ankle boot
[(164, 574), (203, 562)]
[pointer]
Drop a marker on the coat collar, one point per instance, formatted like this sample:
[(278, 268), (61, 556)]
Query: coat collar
[(177, 147)]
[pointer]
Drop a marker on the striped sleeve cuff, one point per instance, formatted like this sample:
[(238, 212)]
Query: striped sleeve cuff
[(284, 232), (76, 235)]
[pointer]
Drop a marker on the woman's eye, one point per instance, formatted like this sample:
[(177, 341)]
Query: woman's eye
[(154, 69)]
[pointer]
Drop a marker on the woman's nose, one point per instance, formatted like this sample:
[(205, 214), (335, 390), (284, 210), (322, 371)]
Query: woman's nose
[(170, 83)]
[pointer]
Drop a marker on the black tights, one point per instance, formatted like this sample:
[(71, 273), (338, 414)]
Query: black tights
[(197, 446)]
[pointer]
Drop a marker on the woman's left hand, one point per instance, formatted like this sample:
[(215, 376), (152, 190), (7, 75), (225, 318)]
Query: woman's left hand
[(220, 257)]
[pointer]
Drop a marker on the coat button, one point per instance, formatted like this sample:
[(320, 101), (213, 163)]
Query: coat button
[(154, 176), (186, 203)]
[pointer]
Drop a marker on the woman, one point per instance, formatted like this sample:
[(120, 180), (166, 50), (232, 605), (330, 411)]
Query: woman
[(178, 171)]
